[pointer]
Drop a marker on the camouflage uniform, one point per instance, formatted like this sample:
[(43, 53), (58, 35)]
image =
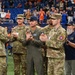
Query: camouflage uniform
[(19, 51), (3, 39), (45, 30), (55, 50)]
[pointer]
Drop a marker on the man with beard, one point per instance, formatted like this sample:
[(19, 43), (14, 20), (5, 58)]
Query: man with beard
[(70, 50), (46, 31), (54, 42)]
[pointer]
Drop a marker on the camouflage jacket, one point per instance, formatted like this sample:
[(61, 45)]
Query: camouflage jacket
[(17, 45), (46, 29), (56, 38), (3, 40)]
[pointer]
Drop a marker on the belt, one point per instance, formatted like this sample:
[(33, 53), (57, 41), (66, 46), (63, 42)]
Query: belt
[(54, 48)]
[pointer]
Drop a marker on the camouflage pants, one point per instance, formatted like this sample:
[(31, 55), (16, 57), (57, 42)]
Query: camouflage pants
[(55, 66), (3, 66), (19, 64), (45, 65), (45, 60)]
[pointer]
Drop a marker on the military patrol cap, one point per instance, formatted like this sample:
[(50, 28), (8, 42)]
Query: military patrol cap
[(56, 16), (33, 18), (20, 16)]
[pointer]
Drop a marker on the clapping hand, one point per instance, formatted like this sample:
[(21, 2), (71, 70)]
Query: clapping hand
[(43, 37), (15, 34), (28, 35)]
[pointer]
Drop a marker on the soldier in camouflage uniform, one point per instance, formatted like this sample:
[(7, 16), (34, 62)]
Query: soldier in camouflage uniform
[(3, 39), (46, 30), (54, 42), (19, 51)]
